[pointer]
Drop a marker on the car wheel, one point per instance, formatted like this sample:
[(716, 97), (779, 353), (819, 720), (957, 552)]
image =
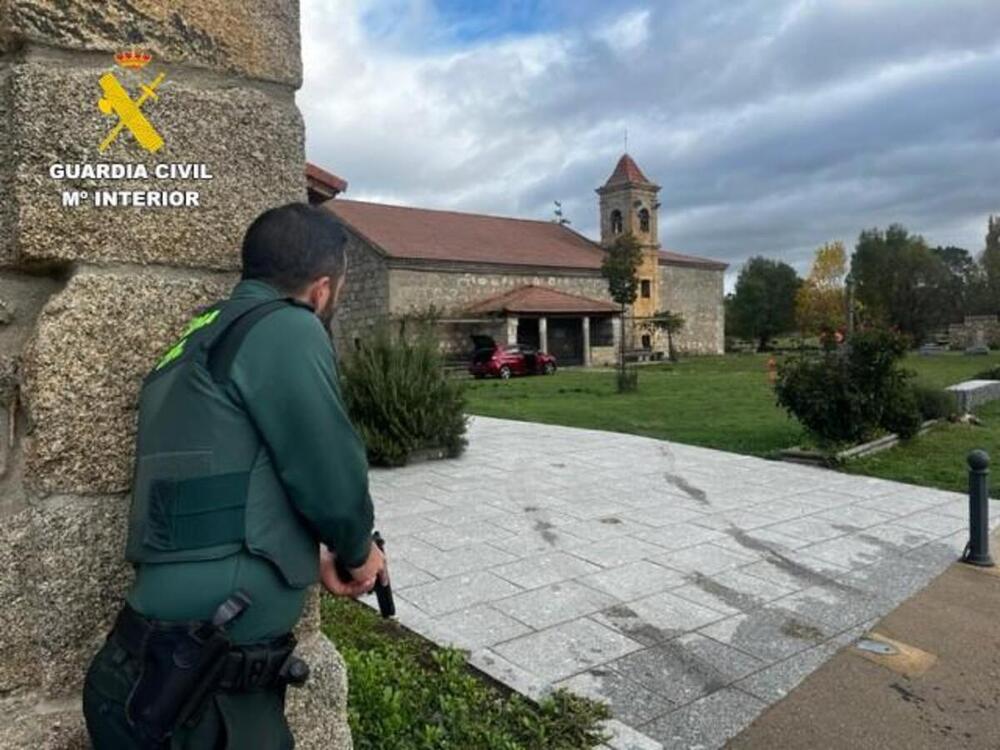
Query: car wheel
[(505, 373), (550, 368)]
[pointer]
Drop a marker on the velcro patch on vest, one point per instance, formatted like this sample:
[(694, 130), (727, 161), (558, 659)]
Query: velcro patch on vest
[(198, 512)]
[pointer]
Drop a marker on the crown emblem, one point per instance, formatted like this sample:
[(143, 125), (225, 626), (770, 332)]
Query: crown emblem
[(133, 60)]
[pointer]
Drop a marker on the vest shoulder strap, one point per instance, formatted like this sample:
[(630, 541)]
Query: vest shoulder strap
[(222, 351)]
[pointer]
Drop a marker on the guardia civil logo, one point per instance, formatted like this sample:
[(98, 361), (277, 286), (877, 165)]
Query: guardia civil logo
[(118, 103), (130, 101)]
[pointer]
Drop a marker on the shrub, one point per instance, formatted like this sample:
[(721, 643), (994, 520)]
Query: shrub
[(993, 373), (818, 392), (400, 398), (934, 403), (407, 694), (901, 413), (847, 395)]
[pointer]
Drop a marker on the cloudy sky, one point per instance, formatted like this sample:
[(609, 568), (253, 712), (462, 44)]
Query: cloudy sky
[(773, 125)]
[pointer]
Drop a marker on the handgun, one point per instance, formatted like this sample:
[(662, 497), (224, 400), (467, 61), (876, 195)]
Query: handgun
[(383, 588)]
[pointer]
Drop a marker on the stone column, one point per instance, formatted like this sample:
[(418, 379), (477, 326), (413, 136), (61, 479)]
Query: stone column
[(91, 295), (586, 341), (511, 330), (543, 334), (616, 332)]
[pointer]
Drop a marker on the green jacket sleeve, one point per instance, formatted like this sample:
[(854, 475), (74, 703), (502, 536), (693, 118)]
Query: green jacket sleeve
[(285, 375)]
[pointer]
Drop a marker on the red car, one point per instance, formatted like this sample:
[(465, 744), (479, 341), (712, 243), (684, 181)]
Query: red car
[(491, 359)]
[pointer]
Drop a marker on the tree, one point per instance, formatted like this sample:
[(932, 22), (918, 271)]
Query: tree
[(820, 304), (962, 290), (620, 267), (898, 280), (671, 323), (763, 304), (990, 263)]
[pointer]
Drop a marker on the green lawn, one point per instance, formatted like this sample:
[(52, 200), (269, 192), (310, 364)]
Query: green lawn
[(947, 369), (727, 403), (937, 459), (719, 402)]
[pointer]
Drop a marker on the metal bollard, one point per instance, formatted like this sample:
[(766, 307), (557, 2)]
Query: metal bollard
[(977, 552)]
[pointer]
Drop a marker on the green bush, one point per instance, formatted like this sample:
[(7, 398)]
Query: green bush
[(400, 398), (818, 392), (407, 694), (849, 394), (902, 413), (934, 403)]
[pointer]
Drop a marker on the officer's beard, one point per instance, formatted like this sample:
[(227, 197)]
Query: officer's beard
[(326, 315)]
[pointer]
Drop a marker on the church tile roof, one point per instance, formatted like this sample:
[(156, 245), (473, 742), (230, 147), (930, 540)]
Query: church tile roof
[(627, 171), (540, 299), (433, 235), (669, 258), (451, 236)]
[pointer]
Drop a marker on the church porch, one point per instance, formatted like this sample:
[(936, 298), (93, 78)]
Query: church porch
[(576, 330)]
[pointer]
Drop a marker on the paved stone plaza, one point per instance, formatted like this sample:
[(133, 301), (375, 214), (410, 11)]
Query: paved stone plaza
[(689, 588)]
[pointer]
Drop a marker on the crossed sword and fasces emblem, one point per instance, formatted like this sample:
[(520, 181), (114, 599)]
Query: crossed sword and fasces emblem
[(116, 101)]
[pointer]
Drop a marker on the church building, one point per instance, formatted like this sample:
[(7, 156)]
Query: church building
[(523, 281)]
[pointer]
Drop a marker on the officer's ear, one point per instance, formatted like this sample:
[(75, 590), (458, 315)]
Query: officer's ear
[(318, 293)]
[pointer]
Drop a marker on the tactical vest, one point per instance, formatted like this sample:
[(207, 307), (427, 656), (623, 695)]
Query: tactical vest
[(204, 486)]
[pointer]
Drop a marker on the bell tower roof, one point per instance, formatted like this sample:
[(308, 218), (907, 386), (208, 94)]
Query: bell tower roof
[(627, 172)]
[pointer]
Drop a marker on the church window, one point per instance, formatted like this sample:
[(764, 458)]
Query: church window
[(645, 289), (647, 343), (616, 222), (602, 332), (644, 220)]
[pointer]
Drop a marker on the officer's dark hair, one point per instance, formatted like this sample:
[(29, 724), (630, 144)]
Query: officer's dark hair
[(293, 245)]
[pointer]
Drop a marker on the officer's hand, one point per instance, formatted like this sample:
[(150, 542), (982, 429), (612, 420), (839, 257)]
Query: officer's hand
[(331, 581), (374, 565)]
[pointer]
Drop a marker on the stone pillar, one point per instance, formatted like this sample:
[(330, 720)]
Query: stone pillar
[(91, 295), (616, 332), (586, 341), (511, 330), (543, 334)]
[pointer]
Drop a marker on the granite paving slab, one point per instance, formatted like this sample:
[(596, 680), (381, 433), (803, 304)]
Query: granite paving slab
[(689, 588)]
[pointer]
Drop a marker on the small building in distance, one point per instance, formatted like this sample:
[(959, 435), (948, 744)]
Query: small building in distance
[(524, 281), (321, 185)]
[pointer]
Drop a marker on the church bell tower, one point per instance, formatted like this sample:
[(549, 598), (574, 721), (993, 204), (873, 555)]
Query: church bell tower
[(628, 203)]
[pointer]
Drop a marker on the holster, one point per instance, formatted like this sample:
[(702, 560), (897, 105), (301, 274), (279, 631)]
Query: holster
[(182, 663), (178, 666)]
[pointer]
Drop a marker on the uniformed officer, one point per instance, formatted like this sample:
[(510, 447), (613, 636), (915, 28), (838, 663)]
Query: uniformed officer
[(249, 480)]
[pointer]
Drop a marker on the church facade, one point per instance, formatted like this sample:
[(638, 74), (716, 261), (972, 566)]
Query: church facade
[(524, 281)]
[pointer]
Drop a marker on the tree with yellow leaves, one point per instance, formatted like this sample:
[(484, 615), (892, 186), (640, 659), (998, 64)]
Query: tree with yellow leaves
[(820, 302)]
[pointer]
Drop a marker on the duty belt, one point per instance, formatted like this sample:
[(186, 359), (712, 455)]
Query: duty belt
[(252, 667)]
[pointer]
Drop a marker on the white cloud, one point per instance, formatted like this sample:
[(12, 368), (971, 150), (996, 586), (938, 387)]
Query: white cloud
[(628, 34)]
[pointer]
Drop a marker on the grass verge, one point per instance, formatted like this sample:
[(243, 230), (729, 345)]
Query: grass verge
[(408, 694), (937, 458)]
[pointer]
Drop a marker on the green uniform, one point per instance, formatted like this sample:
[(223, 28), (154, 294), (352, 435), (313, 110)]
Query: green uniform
[(237, 480)]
